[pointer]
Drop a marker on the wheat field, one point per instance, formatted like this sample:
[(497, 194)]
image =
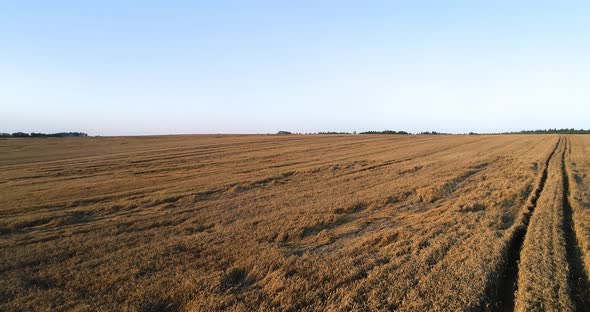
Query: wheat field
[(295, 223)]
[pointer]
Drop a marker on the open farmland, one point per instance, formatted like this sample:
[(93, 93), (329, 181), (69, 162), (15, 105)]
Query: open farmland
[(322, 222)]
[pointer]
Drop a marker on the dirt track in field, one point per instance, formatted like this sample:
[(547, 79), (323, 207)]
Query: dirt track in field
[(552, 275)]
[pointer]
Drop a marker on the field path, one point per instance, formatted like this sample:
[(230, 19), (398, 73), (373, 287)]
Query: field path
[(550, 269), (509, 285), (579, 281)]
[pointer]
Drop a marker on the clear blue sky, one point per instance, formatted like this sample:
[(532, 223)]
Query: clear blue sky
[(156, 67)]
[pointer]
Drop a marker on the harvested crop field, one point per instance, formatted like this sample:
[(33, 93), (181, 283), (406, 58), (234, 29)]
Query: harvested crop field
[(295, 222)]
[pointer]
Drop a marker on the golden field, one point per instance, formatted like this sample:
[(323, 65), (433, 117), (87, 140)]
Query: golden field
[(295, 223)]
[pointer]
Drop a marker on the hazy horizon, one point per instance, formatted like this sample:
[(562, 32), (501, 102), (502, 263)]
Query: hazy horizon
[(143, 68)]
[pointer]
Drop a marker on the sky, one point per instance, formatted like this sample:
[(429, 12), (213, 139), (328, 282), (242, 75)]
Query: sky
[(164, 67)]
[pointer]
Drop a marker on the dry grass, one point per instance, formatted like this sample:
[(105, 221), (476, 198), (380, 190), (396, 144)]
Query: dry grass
[(351, 222)]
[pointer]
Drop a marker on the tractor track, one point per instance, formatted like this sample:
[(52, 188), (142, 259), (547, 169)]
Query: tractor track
[(578, 279), (508, 284)]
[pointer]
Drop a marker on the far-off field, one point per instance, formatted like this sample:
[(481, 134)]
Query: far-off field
[(295, 223)]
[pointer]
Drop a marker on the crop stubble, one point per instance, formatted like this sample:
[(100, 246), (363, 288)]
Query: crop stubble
[(330, 222)]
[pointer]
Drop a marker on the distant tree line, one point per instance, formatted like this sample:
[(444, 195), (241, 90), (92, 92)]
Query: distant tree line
[(433, 133), (543, 131), (553, 131), (333, 132), (385, 132), (42, 135), (283, 132)]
